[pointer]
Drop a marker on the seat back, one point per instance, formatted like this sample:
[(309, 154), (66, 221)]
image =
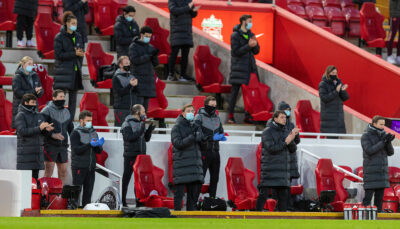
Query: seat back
[(101, 158), (50, 185), (160, 101), (396, 190), (45, 30), (359, 171), (324, 174), (147, 177), (239, 180), (6, 11), (103, 13), (90, 101), (47, 84), (96, 57), (371, 22), (5, 112), (394, 175), (255, 96), (198, 102), (206, 67), (307, 119), (258, 155), (341, 192), (159, 38)]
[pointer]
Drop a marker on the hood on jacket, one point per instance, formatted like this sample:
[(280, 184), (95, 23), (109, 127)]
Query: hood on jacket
[(120, 72), (274, 125), (182, 120), (122, 19), (131, 118), (20, 70), (63, 31), (371, 129), (204, 112), (283, 106), (22, 108)]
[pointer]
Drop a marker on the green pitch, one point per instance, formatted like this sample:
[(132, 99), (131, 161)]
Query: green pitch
[(131, 223)]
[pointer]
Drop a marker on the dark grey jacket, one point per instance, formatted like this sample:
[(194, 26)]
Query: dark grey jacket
[(375, 153), (30, 153), (124, 32), (210, 125), (23, 84), (394, 7), (79, 9), (186, 163), (83, 155), (332, 114), (243, 62), (181, 22), (124, 93), (143, 60), (26, 7), (135, 136), (65, 76), (275, 159)]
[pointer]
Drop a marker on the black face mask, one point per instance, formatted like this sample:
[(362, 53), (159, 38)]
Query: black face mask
[(210, 109), (59, 103), (127, 68), (30, 107), (333, 77)]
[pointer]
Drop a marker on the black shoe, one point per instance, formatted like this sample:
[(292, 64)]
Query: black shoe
[(186, 79)]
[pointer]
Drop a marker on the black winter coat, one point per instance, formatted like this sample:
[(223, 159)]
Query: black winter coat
[(210, 125), (30, 142), (135, 136), (83, 155), (124, 93), (65, 76), (243, 62), (181, 22), (332, 114), (143, 60), (394, 7), (275, 159), (79, 9), (375, 153), (186, 160), (22, 84), (124, 32), (26, 7)]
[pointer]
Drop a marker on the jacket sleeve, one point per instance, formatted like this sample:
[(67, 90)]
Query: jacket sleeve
[(297, 139), (344, 95), (154, 60), (193, 13), (22, 128), (198, 121), (369, 148), (119, 35), (176, 10), (235, 45), (17, 89), (98, 149), (117, 87), (76, 145), (73, 6), (292, 147), (269, 144), (86, 8), (39, 85), (325, 95), (181, 142), (256, 49), (129, 135), (59, 52), (389, 149), (70, 127)]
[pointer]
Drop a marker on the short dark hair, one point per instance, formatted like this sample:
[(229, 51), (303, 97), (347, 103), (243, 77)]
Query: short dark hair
[(84, 114), (67, 17), (136, 108), (28, 97), (186, 107), (56, 92), (277, 113), (376, 118), (208, 99), (244, 17), (146, 29), (128, 9)]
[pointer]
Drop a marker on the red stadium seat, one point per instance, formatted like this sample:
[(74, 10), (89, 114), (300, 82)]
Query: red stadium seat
[(390, 200), (394, 176), (89, 17), (4, 80), (47, 84), (353, 21), (332, 3), (51, 190), (90, 101), (2, 68), (101, 158), (312, 2), (371, 23), (5, 114), (336, 20), (307, 119), (198, 102), (359, 171), (105, 13), (256, 101), (396, 190), (347, 3), (45, 30), (316, 15), (295, 2), (147, 179), (158, 105), (96, 57), (296, 189), (348, 177), (298, 10), (7, 18), (36, 196)]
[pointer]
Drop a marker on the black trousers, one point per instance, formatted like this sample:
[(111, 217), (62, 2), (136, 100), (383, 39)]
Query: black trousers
[(234, 94), (378, 197), (144, 101), (126, 177), (211, 161), (184, 58), (72, 97), (280, 194), (193, 192), (84, 177), (24, 23), (35, 174)]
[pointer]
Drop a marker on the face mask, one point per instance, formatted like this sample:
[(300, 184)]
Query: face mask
[(29, 68), (146, 39), (88, 125), (249, 25), (334, 77), (210, 109), (287, 113), (59, 103), (127, 68), (143, 117), (30, 107), (72, 28), (190, 116), (129, 18)]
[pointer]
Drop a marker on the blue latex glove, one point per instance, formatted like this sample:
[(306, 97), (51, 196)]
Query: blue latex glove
[(93, 143), (223, 138), (100, 142), (217, 137)]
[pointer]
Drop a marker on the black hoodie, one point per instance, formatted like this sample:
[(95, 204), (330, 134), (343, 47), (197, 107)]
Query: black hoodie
[(124, 33)]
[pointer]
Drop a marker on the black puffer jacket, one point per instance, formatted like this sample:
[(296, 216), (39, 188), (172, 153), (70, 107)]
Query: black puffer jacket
[(30, 142), (143, 60), (66, 60), (181, 22), (243, 62), (26, 7), (22, 84), (187, 164), (124, 32), (332, 114), (83, 155), (124, 93), (375, 153), (79, 9), (394, 7), (210, 125), (135, 136), (275, 159)]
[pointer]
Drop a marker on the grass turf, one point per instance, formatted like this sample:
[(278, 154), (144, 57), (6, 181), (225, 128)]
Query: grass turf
[(131, 223)]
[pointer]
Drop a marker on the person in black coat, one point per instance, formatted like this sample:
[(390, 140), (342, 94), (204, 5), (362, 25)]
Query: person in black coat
[(68, 54), (31, 128), (244, 46), (79, 8), (277, 142), (144, 58), (24, 82), (332, 93), (124, 88), (85, 144), (181, 36), (377, 146), (125, 29), (26, 11), (135, 137), (186, 159)]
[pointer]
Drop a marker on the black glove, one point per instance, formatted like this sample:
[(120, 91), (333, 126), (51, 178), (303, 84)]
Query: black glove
[(155, 52), (150, 128), (388, 138)]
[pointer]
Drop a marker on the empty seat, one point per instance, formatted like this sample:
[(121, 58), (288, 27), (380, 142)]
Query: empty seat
[(332, 3), (47, 84), (390, 201), (46, 30), (298, 10), (352, 16), (158, 105), (198, 102), (394, 176), (256, 100), (7, 17), (148, 180), (371, 23), (4, 80), (347, 168), (5, 113), (96, 57), (36, 195), (90, 101), (51, 191), (312, 2), (105, 13), (101, 158), (359, 171), (307, 119), (316, 15), (396, 190), (347, 3), (336, 20), (2, 67)]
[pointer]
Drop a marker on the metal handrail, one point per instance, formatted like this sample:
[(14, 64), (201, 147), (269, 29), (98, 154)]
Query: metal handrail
[(112, 173)]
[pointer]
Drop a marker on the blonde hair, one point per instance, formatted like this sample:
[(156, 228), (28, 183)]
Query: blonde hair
[(122, 58), (24, 60)]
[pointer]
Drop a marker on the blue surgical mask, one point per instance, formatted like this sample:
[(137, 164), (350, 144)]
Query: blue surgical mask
[(129, 18), (73, 28), (146, 39), (88, 125), (249, 25), (29, 68), (287, 113), (190, 116)]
